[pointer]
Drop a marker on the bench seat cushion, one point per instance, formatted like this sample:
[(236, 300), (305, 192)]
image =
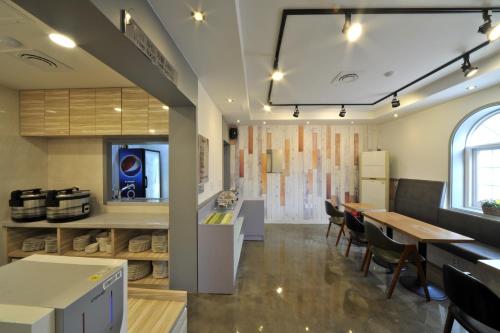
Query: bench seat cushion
[(472, 251)]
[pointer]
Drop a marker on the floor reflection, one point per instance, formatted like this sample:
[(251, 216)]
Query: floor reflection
[(297, 281)]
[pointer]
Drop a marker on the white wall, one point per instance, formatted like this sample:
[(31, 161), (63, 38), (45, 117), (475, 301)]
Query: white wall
[(210, 126), (419, 143)]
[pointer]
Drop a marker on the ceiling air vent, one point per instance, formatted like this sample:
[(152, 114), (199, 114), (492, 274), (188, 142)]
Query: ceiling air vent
[(42, 61), (345, 77)]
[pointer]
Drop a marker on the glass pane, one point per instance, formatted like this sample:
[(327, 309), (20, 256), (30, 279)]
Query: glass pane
[(487, 132), (487, 175)]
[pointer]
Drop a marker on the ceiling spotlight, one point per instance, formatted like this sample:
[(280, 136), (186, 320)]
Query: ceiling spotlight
[(296, 112), (267, 108), (165, 107), (395, 115), (342, 111), (229, 100), (308, 122), (395, 101), (491, 31), (198, 16), (351, 30), (62, 40), (118, 109), (238, 121), (277, 75), (264, 123), (471, 87), (467, 68)]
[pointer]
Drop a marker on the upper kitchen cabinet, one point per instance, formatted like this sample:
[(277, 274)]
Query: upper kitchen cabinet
[(82, 111), (108, 108), (57, 112), (135, 111), (158, 117), (32, 112)]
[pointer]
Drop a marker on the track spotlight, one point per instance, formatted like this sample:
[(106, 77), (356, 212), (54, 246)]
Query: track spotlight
[(342, 111), (467, 68), (296, 112), (395, 101), (491, 31), (277, 75), (351, 30)]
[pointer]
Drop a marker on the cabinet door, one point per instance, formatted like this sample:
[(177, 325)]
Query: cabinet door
[(158, 117), (135, 111), (108, 111), (57, 112), (82, 111), (31, 112)]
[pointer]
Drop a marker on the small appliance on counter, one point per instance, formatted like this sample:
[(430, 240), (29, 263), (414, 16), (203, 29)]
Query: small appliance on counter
[(67, 205), (28, 205)]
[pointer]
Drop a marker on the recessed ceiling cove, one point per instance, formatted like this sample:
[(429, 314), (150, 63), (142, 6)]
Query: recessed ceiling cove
[(322, 67)]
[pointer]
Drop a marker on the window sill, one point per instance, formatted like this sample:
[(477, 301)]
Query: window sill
[(476, 212)]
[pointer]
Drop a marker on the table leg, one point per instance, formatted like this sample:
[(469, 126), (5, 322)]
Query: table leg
[(412, 282)]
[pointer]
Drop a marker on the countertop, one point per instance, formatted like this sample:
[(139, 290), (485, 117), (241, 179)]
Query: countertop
[(105, 220)]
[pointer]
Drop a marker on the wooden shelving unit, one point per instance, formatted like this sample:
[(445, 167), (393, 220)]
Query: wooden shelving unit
[(119, 245)]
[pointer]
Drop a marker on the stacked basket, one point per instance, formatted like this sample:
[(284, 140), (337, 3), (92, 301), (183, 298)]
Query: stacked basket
[(138, 269)]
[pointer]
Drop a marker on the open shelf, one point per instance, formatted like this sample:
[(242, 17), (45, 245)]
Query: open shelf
[(150, 282), (73, 253), (24, 254), (146, 255)]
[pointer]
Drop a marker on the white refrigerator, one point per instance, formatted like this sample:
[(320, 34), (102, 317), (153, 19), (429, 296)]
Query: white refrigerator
[(374, 178)]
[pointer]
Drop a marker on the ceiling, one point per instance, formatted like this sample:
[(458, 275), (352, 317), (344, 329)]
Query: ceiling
[(232, 52), (76, 68)]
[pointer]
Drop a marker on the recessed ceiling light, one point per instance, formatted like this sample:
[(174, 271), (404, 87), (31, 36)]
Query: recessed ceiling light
[(267, 108), (308, 122), (165, 107), (277, 75), (395, 115), (264, 122), (62, 40), (238, 121), (118, 109), (229, 100), (352, 122), (471, 87), (279, 290), (152, 131), (198, 16)]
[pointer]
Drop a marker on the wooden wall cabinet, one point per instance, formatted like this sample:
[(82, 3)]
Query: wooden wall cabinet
[(108, 108), (158, 117), (89, 112), (32, 112), (56, 112), (82, 115), (135, 111)]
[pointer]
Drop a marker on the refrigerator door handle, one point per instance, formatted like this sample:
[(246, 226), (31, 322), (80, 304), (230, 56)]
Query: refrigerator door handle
[(145, 181)]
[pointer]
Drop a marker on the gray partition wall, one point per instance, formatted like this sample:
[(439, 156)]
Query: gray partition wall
[(183, 242)]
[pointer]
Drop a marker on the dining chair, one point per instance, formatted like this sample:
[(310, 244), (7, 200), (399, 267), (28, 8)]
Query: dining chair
[(387, 250), (335, 217), (472, 304), (356, 231)]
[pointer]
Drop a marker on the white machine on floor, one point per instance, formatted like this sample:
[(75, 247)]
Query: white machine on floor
[(52, 294)]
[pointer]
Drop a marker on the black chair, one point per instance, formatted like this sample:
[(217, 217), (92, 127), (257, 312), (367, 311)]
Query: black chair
[(356, 231), (335, 217), (392, 254), (472, 304)]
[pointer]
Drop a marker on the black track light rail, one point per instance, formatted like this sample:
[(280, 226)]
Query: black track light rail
[(343, 11)]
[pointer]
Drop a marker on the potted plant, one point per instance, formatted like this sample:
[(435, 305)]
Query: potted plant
[(491, 207)]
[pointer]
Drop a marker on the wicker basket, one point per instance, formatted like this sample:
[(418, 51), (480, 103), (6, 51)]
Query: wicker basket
[(491, 211)]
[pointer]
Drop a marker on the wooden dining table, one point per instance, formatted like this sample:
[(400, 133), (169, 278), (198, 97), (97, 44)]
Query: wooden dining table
[(423, 233)]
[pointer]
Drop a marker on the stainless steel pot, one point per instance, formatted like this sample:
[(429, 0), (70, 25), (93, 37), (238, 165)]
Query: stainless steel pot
[(28, 205), (67, 205)]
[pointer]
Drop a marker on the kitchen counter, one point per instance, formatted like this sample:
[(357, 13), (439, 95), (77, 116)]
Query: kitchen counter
[(105, 220)]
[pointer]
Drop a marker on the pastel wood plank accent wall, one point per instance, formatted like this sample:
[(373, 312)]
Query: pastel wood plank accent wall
[(82, 112), (319, 162), (158, 117), (135, 111), (32, 112), (108, 117), (57, 112)]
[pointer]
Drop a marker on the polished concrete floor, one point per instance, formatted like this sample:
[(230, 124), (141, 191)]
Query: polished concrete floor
[(297, 281)]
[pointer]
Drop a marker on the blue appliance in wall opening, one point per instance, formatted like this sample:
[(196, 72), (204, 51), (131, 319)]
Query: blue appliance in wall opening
[(139, 173)]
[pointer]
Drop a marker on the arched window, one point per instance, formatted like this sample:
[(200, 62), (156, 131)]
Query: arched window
[(475, 159)]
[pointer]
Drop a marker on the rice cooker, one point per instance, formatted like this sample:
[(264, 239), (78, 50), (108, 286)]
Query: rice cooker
[(28, 205), (67, 205)]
